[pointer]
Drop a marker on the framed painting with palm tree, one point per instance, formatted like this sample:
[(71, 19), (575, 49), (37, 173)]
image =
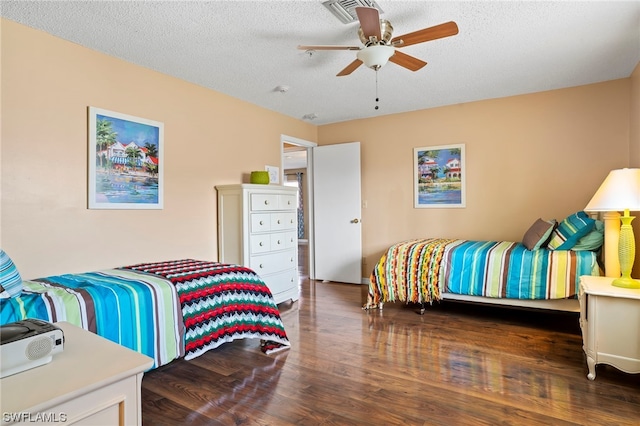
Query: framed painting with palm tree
[(439, 176), (125, 161)]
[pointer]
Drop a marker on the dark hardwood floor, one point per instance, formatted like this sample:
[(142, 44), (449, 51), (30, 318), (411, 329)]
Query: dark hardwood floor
[(458, 364)]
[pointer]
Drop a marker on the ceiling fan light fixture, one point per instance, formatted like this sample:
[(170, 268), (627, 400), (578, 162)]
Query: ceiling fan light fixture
[(375, 57)]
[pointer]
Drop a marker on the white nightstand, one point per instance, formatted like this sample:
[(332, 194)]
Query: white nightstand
[(92, 382), (610, 323)]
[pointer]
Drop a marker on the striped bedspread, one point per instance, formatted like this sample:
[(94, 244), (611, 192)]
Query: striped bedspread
[(419, 270), (164, 310), (139, 311), (221, 303)]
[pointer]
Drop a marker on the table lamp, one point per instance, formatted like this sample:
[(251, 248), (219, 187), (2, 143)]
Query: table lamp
[(620, 191)]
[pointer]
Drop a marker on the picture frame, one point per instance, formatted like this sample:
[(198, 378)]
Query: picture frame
[(126, 161), (274, 174), (439, 178)]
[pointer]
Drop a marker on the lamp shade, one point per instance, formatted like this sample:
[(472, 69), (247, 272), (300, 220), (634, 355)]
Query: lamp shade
[(376, 56), (620, 191)]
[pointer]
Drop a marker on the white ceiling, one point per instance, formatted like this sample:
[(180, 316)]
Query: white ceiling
[(247, 49)]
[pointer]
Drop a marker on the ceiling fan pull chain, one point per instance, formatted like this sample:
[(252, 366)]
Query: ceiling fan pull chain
[(377, 99)]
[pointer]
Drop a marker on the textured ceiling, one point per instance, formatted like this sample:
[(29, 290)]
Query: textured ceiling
[(247, 49)]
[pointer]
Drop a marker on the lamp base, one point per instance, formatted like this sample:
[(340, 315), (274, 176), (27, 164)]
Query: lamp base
[(626, 282)]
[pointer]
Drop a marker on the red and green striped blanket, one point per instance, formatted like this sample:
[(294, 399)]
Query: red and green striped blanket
[(221, 303)]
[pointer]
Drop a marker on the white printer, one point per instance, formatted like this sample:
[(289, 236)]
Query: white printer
[(27, 344)]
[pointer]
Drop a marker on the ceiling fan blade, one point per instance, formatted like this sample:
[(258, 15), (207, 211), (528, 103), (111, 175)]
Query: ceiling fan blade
[(350, 68), (407, 61), (369, 18), (304, 47), (427, 34)]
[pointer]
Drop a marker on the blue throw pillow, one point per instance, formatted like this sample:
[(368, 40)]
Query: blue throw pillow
[(593, 240), (570, 230), (10, 280)]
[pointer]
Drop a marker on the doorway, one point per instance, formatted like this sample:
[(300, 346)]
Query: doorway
[(296, 166), (330, 186)]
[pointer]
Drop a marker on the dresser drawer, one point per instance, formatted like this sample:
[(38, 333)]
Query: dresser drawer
[(260, 243), (261, 222), (262, 202), (283, 240), (288, 202), (273, 262), (281, 282), (282, 221), (291, 239)]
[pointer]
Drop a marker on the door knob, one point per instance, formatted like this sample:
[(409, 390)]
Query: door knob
[(355, 221)]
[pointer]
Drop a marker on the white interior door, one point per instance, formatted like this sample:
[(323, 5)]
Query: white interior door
[(336, 212)]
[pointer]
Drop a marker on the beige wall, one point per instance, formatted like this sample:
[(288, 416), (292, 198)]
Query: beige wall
[(539, 155), (47, 85), (634, 153), (634, 138)]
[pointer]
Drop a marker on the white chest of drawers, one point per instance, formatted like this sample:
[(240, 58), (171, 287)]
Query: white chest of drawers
[(258, 228)]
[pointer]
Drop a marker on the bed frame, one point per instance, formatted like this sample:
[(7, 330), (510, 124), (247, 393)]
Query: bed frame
[(567, 305)]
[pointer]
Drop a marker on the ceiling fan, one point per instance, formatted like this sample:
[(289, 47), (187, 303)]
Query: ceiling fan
[(379, 47)]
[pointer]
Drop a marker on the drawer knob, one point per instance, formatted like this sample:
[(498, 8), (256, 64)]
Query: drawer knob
[(266, 201), (261, 223), (278, 221), (260, 244), (279, 242), (261, 266)]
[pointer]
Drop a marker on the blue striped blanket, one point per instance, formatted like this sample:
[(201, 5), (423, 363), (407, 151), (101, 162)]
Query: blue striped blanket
[(141, 312), (155, 311), (418, 271)]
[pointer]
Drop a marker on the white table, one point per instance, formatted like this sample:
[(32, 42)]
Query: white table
[(610, 323), (92, 382)]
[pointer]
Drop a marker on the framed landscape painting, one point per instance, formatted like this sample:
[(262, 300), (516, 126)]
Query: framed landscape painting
[(439, 176), (125, 161)]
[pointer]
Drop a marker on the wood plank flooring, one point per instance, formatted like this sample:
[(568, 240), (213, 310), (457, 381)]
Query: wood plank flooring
[(458, 364)]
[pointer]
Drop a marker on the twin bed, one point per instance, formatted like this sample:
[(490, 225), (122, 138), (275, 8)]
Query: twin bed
[(542, 271), (164, 310)]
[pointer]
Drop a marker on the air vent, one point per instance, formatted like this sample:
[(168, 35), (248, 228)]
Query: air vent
[(345, 10)]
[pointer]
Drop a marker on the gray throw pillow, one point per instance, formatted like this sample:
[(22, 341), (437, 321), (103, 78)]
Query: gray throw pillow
[(537, 235)]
